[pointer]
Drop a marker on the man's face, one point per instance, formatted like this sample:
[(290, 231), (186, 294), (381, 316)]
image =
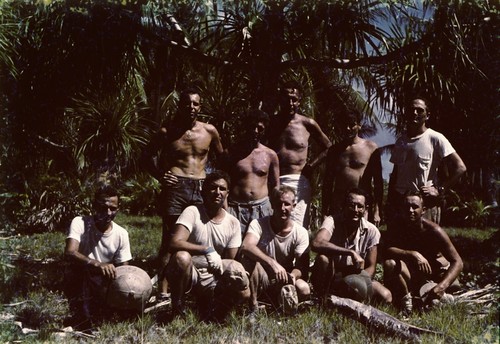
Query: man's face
[(416, 113), (283, 205), (215, 193), (413, 209), (354, 208), (257, 131), (352, 129), (105, 210), (289, 101), (190, 105)]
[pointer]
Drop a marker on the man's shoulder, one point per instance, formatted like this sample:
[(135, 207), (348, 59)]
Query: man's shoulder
[(370, 227), (207, 126), (265, 149), (119, 229)]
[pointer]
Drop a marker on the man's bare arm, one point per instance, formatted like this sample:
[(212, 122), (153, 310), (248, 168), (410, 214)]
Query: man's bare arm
[(230, 253), (327, 187), (301, 268), (273, 180), (250, 249), (180, 242), (149, 154), (322, 245), (375, 168), (320, 137), (216, 142), (456, 168), (450, 253), (71, 251), (371, 261)]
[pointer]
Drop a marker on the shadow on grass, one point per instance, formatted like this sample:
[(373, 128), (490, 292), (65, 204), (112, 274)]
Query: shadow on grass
[(480, 259)]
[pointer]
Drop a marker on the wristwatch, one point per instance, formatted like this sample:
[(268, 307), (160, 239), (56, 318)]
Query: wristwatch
[(441, 190)]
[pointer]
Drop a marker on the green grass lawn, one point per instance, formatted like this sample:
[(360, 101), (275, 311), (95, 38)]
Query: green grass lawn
[(31, 282)]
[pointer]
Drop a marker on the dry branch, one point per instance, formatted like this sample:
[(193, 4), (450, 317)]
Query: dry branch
[(378, 319)]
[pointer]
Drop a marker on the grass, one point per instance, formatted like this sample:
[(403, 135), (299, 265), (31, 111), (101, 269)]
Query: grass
[(31, 275)]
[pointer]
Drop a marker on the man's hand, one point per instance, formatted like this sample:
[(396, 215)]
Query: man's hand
[(429, 191), (307, 171), (422, 263), (169, 179), (376, 218), (357, 261), (108, 270), (214, 261), (279, 272), (436, 293)]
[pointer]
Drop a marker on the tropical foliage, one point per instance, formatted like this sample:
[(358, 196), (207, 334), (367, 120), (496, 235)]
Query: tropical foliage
[(85, 83)]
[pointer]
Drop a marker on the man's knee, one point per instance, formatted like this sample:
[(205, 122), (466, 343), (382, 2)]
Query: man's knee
[(391, 267), (303, 289), (180, 260)]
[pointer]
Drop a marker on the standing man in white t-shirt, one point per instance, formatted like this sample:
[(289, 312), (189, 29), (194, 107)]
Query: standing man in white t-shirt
[(204, 244), (95, 245), (418, 156), (279, 250)]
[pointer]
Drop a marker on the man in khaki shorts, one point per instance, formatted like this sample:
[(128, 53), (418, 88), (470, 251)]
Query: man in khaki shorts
[(419, 252), (204, 244), (276, 254)]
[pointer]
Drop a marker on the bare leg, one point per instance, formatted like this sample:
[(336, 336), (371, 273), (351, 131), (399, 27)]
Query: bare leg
[(322, 275), (164, 255), (381, 293), (303, 290), (180, 273)]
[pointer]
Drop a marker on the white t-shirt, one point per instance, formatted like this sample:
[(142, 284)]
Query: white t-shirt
[(418, 159), (110, 247), (203, 231), (367, 236), (282, 249)]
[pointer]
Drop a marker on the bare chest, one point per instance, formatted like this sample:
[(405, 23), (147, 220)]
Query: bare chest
[(355, 159), (256, 163), (194, 142), (295, 136)]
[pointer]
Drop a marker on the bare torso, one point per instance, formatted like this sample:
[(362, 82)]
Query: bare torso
[(250, 175), (187, 154), (350, 167), (293, 144)]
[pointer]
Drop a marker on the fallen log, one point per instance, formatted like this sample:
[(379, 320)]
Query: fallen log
[(378, 319)]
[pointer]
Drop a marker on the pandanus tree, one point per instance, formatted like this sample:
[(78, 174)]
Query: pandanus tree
[(68, 67)]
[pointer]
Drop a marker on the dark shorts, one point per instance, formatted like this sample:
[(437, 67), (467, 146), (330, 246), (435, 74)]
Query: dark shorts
[(174, 199), (246, 212)]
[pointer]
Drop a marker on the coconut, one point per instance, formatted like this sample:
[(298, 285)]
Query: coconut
[(130, 290)]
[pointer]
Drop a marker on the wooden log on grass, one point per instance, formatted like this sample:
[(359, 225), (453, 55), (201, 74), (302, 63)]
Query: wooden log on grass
[(378, 319)]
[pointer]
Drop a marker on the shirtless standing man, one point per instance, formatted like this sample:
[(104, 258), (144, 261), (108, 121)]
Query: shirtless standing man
[(183, 147), (353, 163), (289, 137), (254, 171)]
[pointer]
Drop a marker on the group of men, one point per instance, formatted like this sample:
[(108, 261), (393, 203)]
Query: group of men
[(247, 228)]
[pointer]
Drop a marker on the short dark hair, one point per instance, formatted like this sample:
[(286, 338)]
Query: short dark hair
[(417, 193), (421, 97), (255, 116), (291, 84), (276, 193), (105, 191), (216, 175), (187, 91), (354, 116), (356, 191)]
